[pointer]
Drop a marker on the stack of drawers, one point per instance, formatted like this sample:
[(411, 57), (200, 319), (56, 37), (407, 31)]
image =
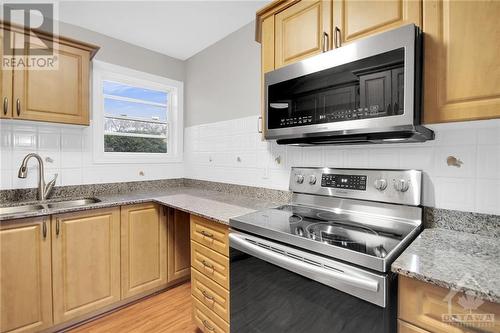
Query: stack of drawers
[(210, 275)]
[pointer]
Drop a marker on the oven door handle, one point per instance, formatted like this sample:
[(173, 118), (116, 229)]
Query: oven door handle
[(299, 266)]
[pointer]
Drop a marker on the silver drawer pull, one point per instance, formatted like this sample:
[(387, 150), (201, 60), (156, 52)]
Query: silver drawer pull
[(207, 325), (207, 296), (5, 105), (207, 234), (207, 265)]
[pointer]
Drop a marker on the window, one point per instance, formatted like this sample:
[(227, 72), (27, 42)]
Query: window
[(137, 116)]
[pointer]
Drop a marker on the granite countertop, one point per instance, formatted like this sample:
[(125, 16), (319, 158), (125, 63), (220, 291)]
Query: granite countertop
[(455, 260), (213, 205)]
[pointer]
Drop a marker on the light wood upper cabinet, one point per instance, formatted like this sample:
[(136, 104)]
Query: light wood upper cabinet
[(143, 248), (6, 81), (58, 93), (179, 255), (299, 31), (25, 275), (55, 95), (361, 18), (462, 66), (85, 262)]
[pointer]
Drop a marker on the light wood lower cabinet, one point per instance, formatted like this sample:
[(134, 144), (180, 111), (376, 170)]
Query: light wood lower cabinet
[(179, 259), (85, 262), (25, 275), (423, 307), (210, 274), (206, 320), (210, 234), (143, 248)]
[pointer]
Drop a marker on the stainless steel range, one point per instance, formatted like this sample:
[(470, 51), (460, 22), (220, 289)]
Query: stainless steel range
[(322, 263)]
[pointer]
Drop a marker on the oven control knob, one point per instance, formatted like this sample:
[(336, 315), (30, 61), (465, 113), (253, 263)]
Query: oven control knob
[(312, 179), (299, 179), (380, 184), (401, 185)]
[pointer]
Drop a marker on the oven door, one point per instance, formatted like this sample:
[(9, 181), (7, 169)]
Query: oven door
[(276, 288)]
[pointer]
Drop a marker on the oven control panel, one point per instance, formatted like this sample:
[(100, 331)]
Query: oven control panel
[(391, 186), (350, 182)]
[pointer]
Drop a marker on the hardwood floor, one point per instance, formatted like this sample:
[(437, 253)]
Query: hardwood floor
[(168, 312)]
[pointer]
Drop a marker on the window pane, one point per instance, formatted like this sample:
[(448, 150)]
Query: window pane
[(136, 127), (129, 144), (122, 90), (135, 110)]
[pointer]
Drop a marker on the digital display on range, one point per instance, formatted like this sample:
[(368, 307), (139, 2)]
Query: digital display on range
[(348, 182)]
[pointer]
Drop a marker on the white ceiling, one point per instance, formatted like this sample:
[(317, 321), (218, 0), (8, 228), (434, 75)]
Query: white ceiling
[(179, 29)]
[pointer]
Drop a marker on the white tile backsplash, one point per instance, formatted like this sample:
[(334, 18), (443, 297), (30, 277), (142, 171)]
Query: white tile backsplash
[(211, 152), (476, 144), (69, 148)]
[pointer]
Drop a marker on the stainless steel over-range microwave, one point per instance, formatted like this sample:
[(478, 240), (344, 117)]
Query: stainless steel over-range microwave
[(368, 91)]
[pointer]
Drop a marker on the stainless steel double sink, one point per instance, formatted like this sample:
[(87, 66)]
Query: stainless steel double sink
[(47, 205)]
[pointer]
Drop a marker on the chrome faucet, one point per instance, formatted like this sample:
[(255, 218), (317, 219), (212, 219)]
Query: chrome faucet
[(43, 189)]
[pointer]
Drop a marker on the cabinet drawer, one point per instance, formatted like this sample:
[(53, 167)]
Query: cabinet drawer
[(404, 327), (210, 263), (438, 310), (212, 295), (210, 234), (206, 320)]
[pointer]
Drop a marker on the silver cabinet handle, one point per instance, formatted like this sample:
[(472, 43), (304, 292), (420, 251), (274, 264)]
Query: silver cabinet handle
[(207, 234), (207, 296), (259, 124), (5, 105), (326, 42), (44, 229), (207, 325), (337, 37), (18, 106), (57, 227), (299, 266)]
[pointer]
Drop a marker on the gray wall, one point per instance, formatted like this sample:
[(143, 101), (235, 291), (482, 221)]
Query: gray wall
[(121, 53), (223, 80)]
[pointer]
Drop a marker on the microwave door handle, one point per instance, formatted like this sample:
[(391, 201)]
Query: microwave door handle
[(299, 266)]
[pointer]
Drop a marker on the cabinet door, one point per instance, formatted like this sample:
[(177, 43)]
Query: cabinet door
[(300, 29), (179, 255), (441, 310), (85, 262), (6, 81), (58, 95), (461, 67), (361, 18), (144, 248), (25, 275)]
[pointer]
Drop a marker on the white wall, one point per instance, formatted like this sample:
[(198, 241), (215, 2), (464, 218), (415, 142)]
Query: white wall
[(212, 150), (223, 80)]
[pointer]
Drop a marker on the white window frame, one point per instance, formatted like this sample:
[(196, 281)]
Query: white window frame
[(108, 72)]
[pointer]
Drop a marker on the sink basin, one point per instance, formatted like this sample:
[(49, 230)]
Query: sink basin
[(72, 203), (53, 205), (20, 209)]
